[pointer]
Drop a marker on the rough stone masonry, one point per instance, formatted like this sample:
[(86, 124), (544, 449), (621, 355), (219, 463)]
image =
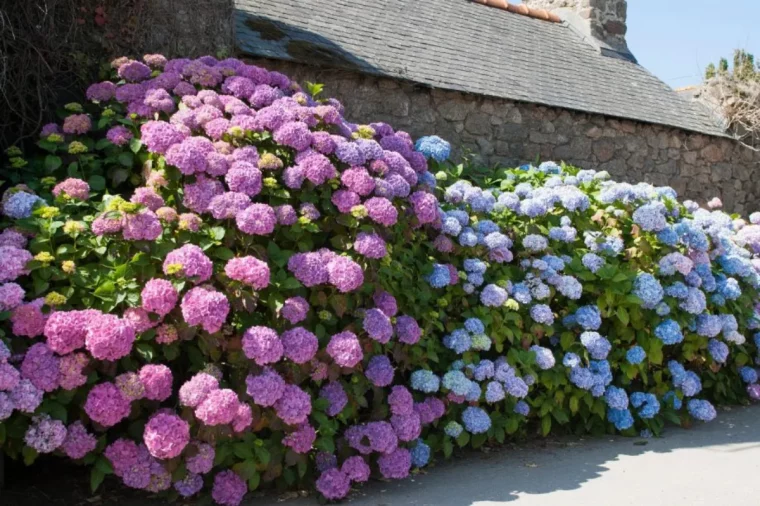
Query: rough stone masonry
[(502, 132)]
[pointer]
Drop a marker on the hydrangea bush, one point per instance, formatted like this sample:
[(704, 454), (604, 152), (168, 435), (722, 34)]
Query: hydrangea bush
[(215, 281)]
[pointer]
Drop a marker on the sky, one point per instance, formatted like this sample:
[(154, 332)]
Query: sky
[(677, 39)]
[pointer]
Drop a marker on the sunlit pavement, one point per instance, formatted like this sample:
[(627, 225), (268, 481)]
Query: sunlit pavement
[(711, 464)]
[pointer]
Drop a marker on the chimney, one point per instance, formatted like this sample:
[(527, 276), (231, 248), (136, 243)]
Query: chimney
[(601, 20)]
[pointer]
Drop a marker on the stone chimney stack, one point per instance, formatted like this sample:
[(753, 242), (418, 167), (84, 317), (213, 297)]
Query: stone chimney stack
[(602, 20)]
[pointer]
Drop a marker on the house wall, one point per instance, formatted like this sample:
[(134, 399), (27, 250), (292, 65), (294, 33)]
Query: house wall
[(504, 132)]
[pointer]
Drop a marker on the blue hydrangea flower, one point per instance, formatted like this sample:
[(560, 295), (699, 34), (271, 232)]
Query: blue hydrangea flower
[(425, 381), (668, 236), (571, 360), (701, 410), (748, 374), (616, 398), (651, 217), (440, 276), (672, 399), (474, 326), (662, 309), (481, 342), (534, 242), (475, 278), (695, 302), (647, 404), (484, 370), (476, 420), (506, 201), (521, 293), (598, 347), (494, 392), (420, 454), (20, 205), (709, 325), (690, 384), (457, 382), (582, 378), (589, 317), (453, 429), (669, 332), (473, 394), (468, 237), (459, 341), (475, 265), (516, 386), (635, 355), (592, 262), (718, 350), (451, 226), (569, 287), (544, 357), (541, 313), (433, 147), (493, 296), (648, 289), (622, 418), (522, 408), (677, 290)]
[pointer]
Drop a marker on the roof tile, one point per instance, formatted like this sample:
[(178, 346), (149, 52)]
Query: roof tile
[(462, 46)]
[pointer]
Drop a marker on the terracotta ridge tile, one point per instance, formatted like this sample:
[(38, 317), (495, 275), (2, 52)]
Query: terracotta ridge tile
[(521, 9)]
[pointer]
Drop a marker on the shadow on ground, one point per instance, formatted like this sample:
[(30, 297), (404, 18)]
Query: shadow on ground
[(716, 463)]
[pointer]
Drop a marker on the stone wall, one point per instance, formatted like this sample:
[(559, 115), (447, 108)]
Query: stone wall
[(503, 132)]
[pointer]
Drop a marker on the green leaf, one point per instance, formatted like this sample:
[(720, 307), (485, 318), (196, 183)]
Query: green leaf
[(97, 183), (216, 233), (253, 482), (104, 465), (291, 284), (243, 450), (623, 315), (52, 162), (29, 454), (96, 478), (126, 159), (263, 455), (546, 425), (105, 289), (135, 144), (73, 170), (103, 144), (223, 253), (145, 350)]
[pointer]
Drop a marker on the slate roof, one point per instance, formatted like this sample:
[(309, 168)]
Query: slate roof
[(465, 46)]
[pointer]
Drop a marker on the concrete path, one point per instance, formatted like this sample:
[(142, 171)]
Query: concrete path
[(712, 464)]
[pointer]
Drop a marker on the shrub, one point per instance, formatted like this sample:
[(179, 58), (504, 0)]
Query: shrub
[(219, 275)]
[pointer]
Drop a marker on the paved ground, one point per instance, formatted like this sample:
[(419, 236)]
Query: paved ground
[(713, 464)]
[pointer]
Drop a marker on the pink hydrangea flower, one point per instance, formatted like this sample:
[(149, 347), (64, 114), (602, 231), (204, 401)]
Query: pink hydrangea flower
[(249, 270), (294, 407), (109, 337), (262, 345), (74, 188), (78, 442), (302, 439), (141, 226), (71, 367), (11, 296), (77, 124), (257, 219), (139, 319), (243, 418), (130, 386), (218, 408), (244, 177), (345, 274), (159, 296), (105, 405), (148, 197), (45, 434), (358, 180), (229, 489), (345, 349), (28, 319), (295, 309), (194, 263), (333, 484), (157, 380), (196, 389), (41, 367), (66, 330), (202, 461), (13, 262), (381, 210), (205, 307), (265, 388), (299, 344), (166, 435), (371, 245)]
